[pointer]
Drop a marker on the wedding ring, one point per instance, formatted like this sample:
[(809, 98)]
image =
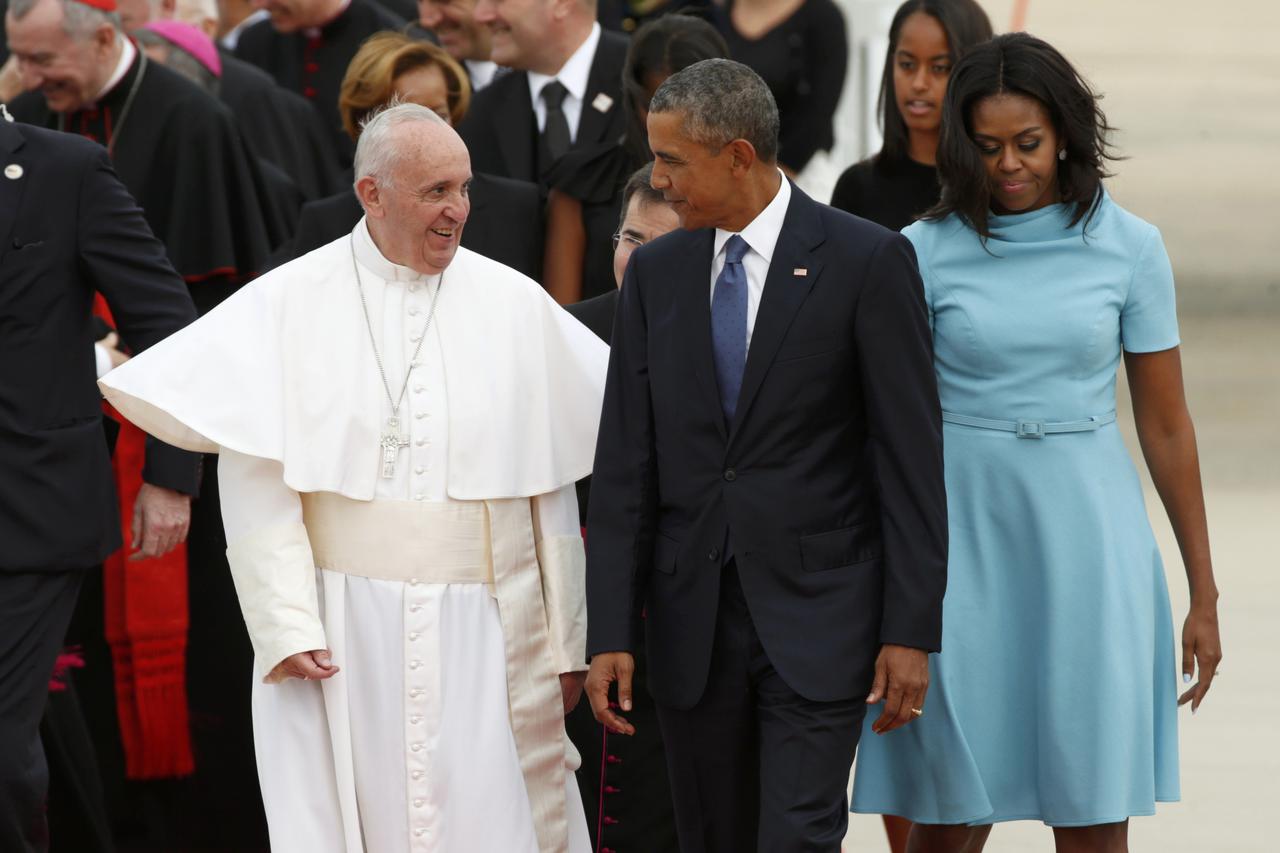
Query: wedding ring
[(918, 712)]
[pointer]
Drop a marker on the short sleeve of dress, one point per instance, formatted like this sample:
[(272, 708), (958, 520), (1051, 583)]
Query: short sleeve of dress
[(917, 234), (1149, 318)]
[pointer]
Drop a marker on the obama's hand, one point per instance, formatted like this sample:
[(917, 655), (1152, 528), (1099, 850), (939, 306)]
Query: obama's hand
[(607, 669)]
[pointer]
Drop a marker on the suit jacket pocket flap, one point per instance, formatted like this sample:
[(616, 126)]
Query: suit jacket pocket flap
[(839, 548), (665, 550)]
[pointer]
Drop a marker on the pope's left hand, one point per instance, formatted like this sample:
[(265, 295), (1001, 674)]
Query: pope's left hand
[(571, 689)]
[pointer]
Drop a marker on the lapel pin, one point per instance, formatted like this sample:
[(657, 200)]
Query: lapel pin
[(602, 103), (800, 272), (13, 171)]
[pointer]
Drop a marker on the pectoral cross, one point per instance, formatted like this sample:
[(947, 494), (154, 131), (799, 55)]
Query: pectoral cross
[(391, 443)]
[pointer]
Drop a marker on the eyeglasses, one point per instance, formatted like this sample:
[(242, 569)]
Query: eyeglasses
[(631, 240)]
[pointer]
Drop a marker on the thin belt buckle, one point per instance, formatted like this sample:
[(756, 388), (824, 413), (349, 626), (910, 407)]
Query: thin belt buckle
[(1030, 429)]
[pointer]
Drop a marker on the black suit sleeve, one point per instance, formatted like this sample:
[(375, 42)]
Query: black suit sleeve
[(905, 430), (126, 264), (623, 484)]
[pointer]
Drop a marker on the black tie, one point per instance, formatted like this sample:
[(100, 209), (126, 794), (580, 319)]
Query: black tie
[(555, 134)]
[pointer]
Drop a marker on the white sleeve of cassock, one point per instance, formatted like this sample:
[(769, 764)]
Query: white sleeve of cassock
[(270, 558), (564, 574)]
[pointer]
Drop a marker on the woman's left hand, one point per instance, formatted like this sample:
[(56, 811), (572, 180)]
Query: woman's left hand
[(1202, 649)]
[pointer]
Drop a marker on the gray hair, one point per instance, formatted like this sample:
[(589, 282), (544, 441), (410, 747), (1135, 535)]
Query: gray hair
[(721, 100), (375, 154), (78, 20)]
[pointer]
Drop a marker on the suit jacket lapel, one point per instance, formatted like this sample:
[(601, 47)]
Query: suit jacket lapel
[(606, 69), (692, 285), (10, 188), (784, 292), (518, 129)]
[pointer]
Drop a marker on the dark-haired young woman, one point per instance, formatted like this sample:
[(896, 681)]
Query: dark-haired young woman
[(895, 186), (1055, 696)]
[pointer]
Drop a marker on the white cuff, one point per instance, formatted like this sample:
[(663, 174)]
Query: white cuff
[(563, 562)]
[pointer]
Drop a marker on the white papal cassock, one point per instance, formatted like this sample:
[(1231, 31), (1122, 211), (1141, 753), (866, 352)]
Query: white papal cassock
[(451, 594)]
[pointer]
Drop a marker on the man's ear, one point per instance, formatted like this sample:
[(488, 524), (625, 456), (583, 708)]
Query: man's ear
[(742, 156), (104, 38), (370, 195)]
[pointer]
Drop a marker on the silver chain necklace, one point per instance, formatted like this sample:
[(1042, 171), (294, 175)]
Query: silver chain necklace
[(391, 440)]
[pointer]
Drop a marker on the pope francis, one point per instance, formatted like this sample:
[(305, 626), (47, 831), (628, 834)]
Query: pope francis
[(399, 423)]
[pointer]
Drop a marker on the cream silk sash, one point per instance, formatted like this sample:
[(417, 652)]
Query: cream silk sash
[(468, 542)]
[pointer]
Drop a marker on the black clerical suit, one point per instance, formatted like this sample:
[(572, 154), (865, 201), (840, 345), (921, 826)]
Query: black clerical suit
[(623, 779), (501, 128), (181, 156), (281, 127), (68, 228), (505, 223), (774, 554), (313, 65)]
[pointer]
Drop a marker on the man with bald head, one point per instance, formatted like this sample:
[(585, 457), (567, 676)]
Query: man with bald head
[(565, 92), (400, 423)]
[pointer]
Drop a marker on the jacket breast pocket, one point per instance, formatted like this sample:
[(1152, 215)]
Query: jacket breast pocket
[(665, 550), (839, 549)]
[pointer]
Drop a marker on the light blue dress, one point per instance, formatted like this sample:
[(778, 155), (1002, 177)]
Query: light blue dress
[(1054, 697)]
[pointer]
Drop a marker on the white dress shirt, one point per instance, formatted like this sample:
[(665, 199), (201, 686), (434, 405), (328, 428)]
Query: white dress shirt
[(761, 235), (573, 76), (481, 71)]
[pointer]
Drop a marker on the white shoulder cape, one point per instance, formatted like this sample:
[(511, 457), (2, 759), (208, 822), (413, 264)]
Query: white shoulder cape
[(283, 370)]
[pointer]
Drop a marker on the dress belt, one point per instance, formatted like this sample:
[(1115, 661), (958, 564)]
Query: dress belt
[(1024, 428)]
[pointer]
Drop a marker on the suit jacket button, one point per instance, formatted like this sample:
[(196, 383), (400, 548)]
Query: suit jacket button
[(713, 554), (730, 475)]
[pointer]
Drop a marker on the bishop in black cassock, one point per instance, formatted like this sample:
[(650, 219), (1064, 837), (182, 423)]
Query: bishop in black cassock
[(179, 153), (307, 49)]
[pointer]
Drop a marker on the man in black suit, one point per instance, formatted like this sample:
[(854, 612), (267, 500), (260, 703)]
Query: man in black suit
[(768, 481), (68, 228), (565, 91)]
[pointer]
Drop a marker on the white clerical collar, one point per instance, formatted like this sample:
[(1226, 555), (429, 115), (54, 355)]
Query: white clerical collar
[(232, 37), (761, 234), (574, 74), (481, 72), (127, 54), (372, 259)]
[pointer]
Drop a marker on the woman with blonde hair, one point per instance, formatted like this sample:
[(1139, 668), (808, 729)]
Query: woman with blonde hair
[(505, 223)]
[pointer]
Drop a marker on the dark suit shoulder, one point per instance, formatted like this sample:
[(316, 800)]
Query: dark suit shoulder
[(510, 190), (597, 313), (257, 41), (45, 143)]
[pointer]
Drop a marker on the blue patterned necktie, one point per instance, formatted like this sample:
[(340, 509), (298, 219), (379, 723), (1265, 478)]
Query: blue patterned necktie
[(729, 325)]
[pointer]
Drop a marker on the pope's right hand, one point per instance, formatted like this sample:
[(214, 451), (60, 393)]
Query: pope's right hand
[(315, 665), (605, 670)]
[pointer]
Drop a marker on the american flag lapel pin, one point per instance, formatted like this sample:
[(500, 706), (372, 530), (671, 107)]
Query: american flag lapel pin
[(800, 272)]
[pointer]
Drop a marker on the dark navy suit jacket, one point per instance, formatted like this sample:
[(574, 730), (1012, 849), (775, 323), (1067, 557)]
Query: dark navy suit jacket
[(827, 488), (68, 228)]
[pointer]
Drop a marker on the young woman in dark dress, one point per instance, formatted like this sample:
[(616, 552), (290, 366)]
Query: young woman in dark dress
[(899, 183), (583, 206), (801, 49)]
